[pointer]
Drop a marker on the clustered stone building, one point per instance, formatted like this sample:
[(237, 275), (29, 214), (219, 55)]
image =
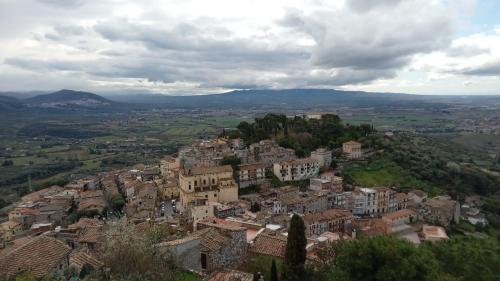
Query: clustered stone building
[(220, 229)]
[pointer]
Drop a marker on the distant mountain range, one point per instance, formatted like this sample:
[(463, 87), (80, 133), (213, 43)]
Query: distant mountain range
[(247, 99)]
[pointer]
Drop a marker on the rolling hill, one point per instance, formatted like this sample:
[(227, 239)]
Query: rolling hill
[(68, 98), (8, 104)]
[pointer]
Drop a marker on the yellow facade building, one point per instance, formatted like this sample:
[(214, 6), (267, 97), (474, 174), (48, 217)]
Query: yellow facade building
[(215, 184)]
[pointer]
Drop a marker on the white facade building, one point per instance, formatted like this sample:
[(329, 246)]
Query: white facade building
[(294, 170)]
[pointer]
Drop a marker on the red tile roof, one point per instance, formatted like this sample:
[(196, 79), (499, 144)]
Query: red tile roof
[(269, 245), (85, 222), (81, 258), (230, 275), (330, 214), (40, 256), (91, 234)]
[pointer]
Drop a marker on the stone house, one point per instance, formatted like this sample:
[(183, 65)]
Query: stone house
[(10, 229), (267, 152), (26, 216), (401, 199), (441, 210), (416, 197), (51, 213), (221, 247), (186, 252)]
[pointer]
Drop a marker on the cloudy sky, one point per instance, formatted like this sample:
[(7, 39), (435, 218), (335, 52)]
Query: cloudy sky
[(197, 47)]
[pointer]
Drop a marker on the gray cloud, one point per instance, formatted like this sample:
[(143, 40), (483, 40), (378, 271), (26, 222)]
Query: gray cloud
[(63, 3), (367, 5), (466, 51), (490, 69), (324, 46)]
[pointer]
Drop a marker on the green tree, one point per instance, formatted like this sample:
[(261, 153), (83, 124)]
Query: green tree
[(295, 255), (382, 258), (86, 270), (25, 276), (470, 259), (274, 271)]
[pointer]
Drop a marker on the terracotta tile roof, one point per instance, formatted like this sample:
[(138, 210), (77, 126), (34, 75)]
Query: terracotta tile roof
[(221, 224), (91, 234), (300, 161), (37, 195), (351, 142), (419, 193), (398, 214), (230, 275), (40, 256), (208, 170), (91, 202), (212, 239), (26, 211), (330, 214), (81, 258), (434, 232), (91, 194), (371, 227), (287, 189), (269, 245), (253, 166), (85, 222), (14, 244), (177, 242)]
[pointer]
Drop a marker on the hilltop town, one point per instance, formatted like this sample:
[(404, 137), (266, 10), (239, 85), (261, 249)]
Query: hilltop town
[(220, 209)]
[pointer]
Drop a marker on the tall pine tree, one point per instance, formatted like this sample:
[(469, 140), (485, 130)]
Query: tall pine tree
[(295, 255), (274, 271)]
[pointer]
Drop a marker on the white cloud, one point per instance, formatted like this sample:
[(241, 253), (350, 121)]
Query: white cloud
[(188, 46)]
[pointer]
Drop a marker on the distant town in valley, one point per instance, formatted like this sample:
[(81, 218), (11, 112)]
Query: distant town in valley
[(102, 189)]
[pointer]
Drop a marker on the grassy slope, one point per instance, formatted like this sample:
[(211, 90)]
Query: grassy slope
[(383, 172)]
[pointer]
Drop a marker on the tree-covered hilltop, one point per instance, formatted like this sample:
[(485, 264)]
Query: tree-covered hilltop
[(300, 133), (412, 161), (387, 258)]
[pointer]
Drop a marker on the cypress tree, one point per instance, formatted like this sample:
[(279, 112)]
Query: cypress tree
[(274, 271), (295, 255)]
